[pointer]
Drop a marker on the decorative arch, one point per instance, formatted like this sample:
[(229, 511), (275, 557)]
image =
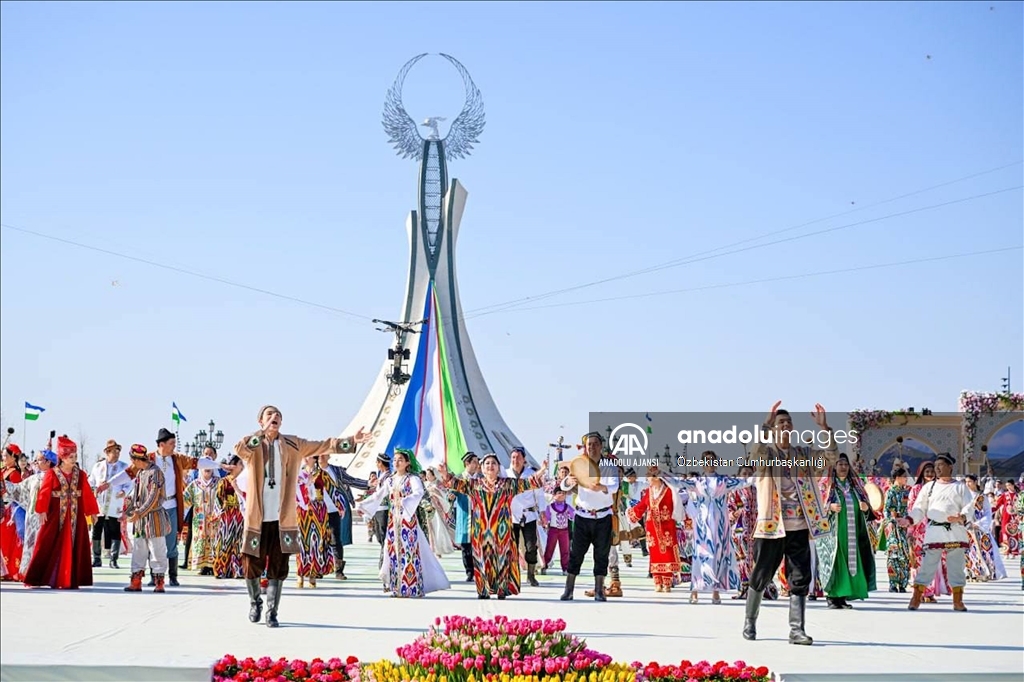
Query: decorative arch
[(983, 415), (878, 430)]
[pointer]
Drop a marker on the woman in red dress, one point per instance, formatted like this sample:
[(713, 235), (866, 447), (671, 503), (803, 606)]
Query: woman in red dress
[(62, 559), (1005, 507), (10, 541), (661, 504)]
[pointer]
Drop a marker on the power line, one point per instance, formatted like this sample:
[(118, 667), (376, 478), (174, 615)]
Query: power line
[(859, 268), (697, 256), (191, 273)]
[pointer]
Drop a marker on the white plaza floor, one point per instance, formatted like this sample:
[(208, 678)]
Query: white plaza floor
[(103, 633)]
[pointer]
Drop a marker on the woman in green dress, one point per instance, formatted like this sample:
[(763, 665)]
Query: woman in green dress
[(847, 567)]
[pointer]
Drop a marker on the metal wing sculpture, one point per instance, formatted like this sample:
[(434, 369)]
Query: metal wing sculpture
[(403, 133), (399, 126), (466, 128)]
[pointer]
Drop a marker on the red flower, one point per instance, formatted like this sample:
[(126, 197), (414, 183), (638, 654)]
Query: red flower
[(761, 672), (351, 660)]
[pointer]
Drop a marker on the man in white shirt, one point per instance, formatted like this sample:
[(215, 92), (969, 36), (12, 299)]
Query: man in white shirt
[(526, 509), (106, 530), (593, 522), (946, 504)]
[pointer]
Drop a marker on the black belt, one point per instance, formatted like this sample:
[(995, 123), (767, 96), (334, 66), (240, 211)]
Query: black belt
[(947, 526), (592, 512)]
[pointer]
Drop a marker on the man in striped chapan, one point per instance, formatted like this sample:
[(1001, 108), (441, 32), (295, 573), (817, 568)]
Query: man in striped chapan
[(149, 520)]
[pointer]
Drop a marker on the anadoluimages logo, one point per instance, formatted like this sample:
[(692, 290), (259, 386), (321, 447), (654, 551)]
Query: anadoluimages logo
[(628, 443)]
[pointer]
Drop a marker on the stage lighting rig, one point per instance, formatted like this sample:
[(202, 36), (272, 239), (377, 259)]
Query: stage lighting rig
[(399, 354)]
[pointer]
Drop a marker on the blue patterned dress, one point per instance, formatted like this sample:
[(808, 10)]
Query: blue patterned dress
[(714, 565)]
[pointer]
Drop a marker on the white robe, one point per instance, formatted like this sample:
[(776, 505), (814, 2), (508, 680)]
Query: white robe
[(434, 578)]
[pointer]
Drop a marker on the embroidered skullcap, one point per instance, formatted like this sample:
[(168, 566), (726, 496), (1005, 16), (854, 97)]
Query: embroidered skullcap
[(946, 457), (13, 449), (490, 455), (384, 458), (520, 449), (138, 451), (468, 456), (65, 447), (593, 434), (50, 456)]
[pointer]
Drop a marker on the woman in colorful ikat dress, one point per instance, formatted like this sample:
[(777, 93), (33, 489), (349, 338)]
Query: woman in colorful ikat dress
[(983, 561), (409, 568), (897, 541), (495, 555)]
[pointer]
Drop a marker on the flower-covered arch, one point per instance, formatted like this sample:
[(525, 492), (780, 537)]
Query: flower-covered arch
[(877, 430), (984, 414)]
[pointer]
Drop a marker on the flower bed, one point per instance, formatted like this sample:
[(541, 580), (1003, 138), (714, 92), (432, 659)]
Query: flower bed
[(460, 649)]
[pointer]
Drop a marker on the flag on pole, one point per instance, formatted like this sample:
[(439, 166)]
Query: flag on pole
[(32, 412), (176, 416), (649, 429)]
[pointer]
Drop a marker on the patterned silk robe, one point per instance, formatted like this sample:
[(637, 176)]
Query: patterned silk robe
[(25, 495), (316, 554), (714, 561), (897, 548), (201, 497), (495, 555), (228, 547), (11, 546), (62, 557), (660, 525), (1011, 523), (983, 561), (409, 568)]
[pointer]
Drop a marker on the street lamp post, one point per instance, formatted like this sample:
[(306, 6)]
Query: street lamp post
[(213, 439)]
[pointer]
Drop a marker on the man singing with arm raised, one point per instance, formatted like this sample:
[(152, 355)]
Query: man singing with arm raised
[(271, 521), (790, 512)]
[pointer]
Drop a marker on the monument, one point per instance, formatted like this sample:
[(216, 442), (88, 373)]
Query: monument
[(431, 397)]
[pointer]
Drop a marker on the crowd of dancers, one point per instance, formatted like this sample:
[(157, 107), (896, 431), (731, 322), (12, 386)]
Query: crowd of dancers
[(763, 534)]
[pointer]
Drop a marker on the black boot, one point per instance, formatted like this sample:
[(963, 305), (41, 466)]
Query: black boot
[(599, 588), (797, 635), (97, 550), (273, 599), (340, 573), (834, 603), (255, 602), (753, 609), (531, 575), (570, 585), (114, 551), (172, 575)]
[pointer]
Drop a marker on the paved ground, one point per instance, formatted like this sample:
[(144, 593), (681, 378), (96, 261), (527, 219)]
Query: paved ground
[(193, 625)]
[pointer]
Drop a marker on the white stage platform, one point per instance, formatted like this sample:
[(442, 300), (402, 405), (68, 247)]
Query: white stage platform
[(103, 633)]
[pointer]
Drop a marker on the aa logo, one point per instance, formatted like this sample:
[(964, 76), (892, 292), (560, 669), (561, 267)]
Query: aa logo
[(628, 440)]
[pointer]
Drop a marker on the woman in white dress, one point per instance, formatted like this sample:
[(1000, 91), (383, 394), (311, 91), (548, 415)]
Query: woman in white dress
[(442, 538), (409, 568)]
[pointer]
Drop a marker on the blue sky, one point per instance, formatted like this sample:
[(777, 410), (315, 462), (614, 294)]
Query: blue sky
[(243, 141)]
